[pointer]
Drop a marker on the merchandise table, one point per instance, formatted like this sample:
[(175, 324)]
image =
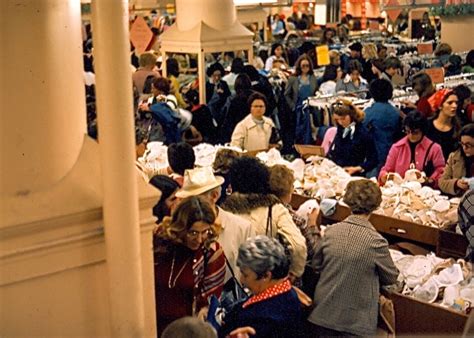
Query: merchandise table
[(444, 243)]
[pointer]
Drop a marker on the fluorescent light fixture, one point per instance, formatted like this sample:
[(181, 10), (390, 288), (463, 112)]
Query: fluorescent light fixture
[(253, 2)]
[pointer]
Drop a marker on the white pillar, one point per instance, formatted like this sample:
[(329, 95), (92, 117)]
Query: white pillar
[(117, 147), (42, 98)]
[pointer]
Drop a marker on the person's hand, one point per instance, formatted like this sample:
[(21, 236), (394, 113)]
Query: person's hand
[(383, 179), (202, 314), (242, 332), (462, 184), (353, 170), (409, 104), (144, 106), (313, 218)]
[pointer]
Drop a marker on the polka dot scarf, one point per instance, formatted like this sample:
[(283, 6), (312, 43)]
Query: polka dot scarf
[(273, 291)]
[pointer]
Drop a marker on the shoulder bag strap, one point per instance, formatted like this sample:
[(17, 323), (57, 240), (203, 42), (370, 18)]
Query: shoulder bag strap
[(426, 155), (269, 229)]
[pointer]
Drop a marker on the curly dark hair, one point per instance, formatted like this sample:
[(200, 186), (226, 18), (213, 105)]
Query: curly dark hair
[(257, 96), (181, 157), (415, 120), (248, 175), (215, 66), (381, 90)]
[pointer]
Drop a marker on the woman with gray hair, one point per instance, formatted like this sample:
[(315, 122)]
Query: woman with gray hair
[(353, 261), (274, 310)]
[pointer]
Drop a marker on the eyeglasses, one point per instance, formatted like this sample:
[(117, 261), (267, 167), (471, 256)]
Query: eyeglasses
[(467, 145), (412, 132), (195, 234)]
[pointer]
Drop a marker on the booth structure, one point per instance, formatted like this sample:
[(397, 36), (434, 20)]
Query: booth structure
[(257, 16), (199, 31)]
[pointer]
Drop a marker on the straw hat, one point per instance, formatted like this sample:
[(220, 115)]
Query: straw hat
[(198, 181)]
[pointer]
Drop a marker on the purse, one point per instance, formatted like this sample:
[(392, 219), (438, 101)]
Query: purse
[(233, 292), (232, 295), (275, 136), (428, 168)]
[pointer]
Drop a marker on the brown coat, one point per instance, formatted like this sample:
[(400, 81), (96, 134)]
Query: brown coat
[(454, 170)]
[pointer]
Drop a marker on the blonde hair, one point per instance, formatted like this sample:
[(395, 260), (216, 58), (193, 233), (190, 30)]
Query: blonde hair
[(191, 210), (333, 56), (147, 59), (369, 51), (344, 107)]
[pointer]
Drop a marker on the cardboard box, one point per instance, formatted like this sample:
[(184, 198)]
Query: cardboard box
[(444, 243), (414, 317), (306, 150)]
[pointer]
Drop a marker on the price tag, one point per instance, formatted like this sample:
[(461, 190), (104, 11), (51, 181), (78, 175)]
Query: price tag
[(424, 48), (436, 74), (322, 54)]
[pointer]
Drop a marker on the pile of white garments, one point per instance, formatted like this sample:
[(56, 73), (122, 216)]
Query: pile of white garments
[(431, 279)]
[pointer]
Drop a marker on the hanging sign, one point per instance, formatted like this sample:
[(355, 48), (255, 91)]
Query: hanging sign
[(424, 48), (322, 55), (436, 74), (140, 34), (392, 13)]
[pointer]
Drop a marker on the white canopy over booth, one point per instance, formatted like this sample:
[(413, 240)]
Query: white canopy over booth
[(199, 30)]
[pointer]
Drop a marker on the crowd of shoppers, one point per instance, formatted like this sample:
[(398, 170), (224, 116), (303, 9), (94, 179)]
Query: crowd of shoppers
[(236, 220)]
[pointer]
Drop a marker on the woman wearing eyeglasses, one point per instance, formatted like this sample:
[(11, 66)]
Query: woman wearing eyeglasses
[(459, 170), (301, 85), (255, 130), (189, 263), (415, 150), (353, 147)]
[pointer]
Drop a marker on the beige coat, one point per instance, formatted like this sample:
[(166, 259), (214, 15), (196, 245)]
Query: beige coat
[(249, 136), (235, 231), (454, 170), (254, 208)]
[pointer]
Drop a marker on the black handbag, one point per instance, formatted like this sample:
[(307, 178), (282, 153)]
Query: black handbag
[(275, 136), (233, 292), (428, 167)]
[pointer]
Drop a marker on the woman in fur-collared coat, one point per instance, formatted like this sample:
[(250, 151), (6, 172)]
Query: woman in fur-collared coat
[(251, 200)]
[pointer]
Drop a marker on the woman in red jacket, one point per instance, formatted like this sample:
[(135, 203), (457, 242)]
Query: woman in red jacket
[(189, 263)]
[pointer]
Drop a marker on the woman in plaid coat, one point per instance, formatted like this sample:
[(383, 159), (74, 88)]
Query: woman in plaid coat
[(353, 262)]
